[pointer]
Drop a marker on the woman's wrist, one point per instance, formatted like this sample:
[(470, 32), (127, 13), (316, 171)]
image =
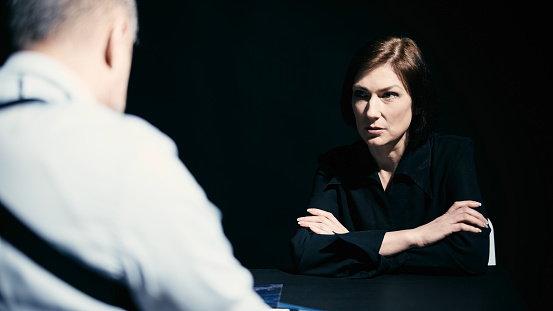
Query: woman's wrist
[(395, 242), (414, 238)]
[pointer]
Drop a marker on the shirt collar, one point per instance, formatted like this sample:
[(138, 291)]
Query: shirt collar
[(416, 165), (360, 164), (44, 78)]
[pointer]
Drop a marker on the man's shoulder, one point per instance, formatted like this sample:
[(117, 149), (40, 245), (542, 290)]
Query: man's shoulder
[(123, 132), (86, 129)]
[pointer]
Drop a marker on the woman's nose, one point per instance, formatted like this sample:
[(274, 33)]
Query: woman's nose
[(373, 108)]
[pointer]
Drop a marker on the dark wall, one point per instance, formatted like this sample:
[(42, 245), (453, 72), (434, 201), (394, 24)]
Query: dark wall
[(249, 91)]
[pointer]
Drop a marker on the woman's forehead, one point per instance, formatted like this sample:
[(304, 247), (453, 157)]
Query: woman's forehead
[(382, 76)]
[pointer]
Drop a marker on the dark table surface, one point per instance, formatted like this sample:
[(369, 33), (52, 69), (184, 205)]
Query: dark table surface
[(490, 291)]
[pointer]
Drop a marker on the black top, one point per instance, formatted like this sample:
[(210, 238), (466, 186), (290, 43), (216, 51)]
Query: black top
[(427, 181)]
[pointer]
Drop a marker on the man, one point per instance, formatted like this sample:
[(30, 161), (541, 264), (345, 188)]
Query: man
[(103, 189)]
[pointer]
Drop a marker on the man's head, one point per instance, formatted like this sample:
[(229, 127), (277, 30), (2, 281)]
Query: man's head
[(94, 38)]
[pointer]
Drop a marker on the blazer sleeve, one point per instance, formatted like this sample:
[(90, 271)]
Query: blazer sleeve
[(462, 252), (354, 254)]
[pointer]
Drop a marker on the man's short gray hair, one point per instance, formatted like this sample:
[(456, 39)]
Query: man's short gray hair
[(31, 21)]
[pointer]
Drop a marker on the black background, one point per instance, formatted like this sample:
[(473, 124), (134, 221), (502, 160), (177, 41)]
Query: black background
[(249, 91)]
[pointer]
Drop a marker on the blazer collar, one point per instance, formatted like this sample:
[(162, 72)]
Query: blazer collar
[(416, 165)]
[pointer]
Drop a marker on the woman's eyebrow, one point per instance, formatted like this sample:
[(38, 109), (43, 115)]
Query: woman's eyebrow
[(388, 88), (359, 87), (384, 89)]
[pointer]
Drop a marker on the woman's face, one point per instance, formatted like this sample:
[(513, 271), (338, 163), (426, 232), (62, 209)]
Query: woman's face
[(382, 108)]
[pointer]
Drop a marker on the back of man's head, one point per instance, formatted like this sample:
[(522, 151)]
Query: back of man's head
[(93, 38), (33, 21)]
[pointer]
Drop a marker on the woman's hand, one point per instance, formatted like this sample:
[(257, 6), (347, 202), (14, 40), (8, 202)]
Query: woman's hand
[(461, 216), (322, 222)]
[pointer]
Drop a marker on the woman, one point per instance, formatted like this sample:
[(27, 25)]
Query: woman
[(403, 198)]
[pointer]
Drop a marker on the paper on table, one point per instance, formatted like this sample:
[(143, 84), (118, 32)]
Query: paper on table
[(292, 307), (271, 295)]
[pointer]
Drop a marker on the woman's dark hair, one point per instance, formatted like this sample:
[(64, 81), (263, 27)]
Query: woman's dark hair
[(405, 58)]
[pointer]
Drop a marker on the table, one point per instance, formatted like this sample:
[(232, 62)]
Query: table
[(490, 291)]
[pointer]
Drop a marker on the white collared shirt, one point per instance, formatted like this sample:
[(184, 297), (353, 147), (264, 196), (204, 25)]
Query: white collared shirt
[(110, 190)]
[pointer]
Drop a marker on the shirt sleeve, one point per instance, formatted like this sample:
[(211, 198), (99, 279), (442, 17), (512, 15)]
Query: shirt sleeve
[(462, 252), (354, 254), (174, 250)]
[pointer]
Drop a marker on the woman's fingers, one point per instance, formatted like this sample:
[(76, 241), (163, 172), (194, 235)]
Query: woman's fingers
[(320, 212), (321, 221), (464, 211), (469, 228), (470, 215), (473, 217), (329, 216), (314, 219), (315, 225), (469, 203), (321, 228), (317, 221), (461, 216)]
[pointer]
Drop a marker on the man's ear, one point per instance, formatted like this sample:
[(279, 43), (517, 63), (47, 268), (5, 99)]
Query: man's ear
[(116, 39), (109, 50)]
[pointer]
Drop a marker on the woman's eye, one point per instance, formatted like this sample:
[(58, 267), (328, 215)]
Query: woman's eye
[(390, 95), (359, 93)]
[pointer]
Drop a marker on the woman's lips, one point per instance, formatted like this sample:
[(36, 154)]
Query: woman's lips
[(374, 130)]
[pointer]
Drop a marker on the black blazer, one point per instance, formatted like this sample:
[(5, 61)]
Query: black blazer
[(427, 181)]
